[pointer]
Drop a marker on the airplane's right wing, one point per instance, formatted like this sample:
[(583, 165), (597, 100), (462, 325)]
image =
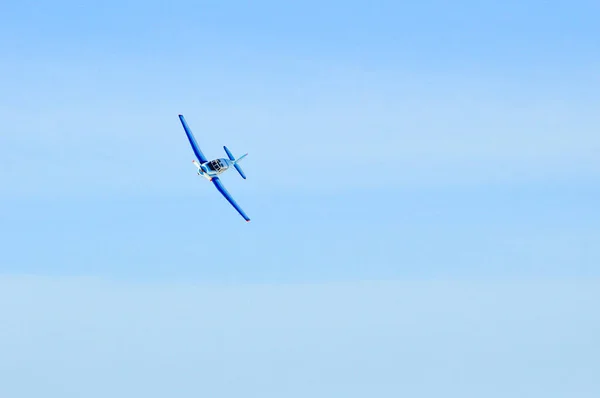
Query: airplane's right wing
[(221, 188), (193, 142)]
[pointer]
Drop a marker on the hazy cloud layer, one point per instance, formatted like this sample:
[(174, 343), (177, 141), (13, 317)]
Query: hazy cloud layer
[(82, 337)]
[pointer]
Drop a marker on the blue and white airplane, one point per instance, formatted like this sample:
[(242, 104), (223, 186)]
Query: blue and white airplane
[(211, 169)]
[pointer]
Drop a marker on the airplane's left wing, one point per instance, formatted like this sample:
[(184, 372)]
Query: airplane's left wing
[(193, 143), (221, 188)]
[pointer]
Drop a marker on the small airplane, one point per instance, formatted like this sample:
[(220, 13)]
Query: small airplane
[(211, 169)]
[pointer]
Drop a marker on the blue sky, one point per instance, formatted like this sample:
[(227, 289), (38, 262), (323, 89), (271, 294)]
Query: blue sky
[(422, 179)]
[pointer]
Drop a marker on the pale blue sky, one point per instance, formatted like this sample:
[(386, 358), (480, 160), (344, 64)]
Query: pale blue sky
[(423, 181)]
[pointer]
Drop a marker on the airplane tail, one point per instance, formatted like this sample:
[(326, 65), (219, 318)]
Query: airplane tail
[(236, 161)]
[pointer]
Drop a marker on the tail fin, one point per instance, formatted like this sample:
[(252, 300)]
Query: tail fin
[(236, 161)]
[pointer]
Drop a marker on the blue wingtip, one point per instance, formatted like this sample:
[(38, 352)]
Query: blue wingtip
[(192, 140), (217, 182)]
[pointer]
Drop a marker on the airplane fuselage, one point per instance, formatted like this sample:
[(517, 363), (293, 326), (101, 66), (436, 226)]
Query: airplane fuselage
[(213, 168)]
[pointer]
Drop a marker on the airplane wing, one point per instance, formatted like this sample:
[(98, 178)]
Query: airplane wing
[(193, 143), (221, 188)]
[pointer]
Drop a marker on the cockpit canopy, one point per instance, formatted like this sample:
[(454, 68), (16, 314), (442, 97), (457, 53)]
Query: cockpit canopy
[(218, 165)]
